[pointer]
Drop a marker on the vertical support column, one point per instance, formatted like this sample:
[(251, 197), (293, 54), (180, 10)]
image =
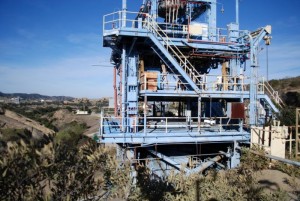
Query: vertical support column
[(145, 114), (253, 96), (212, 20), (236, 156), (199, 114), (132, 89), (253, 82), (154, 9), (124, 89), (115, 92), (241, 120)]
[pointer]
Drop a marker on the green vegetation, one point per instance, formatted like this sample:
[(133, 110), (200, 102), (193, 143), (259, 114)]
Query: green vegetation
[(289, 89), (71, 133), (286, 84), (68, 168), (11, 134), (287, 116), (74, 167)]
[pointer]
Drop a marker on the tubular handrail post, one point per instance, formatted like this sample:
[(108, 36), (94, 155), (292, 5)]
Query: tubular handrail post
[(166, 124), (290, 143), (101, 124)]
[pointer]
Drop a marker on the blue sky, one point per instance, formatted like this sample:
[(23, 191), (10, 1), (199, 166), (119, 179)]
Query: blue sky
[(51, 47)]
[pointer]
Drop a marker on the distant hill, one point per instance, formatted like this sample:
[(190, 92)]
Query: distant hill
[(286, 85), (289, 89), (36, 96)]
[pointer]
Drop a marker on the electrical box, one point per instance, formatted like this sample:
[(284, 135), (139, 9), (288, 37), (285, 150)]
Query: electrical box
[(233, 32)]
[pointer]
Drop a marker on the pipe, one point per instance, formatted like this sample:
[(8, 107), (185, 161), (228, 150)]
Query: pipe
[(277, 158), (214, 56), (210, 162), (124, 90), (115, 91), (207, 164)]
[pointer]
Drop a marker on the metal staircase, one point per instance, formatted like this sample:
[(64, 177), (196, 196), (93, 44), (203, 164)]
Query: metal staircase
[(268, 89), (171, 55)]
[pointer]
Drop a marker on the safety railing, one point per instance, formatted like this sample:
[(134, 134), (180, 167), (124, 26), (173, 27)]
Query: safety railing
[(112, 21), (165, 81), (162, 81), (224, 83), (166, 125), (274, 95), (115, 21)]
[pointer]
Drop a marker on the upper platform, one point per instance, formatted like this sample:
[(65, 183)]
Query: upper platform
[(194, 36)]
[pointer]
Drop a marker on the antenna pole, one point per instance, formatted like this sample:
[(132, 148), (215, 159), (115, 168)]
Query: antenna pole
[(237, 12)]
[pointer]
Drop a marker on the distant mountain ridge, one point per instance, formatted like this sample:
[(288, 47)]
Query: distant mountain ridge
[(26, 96)]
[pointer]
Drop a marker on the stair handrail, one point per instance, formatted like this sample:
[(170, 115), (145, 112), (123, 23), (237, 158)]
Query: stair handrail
[(274, 94), (188, 67)]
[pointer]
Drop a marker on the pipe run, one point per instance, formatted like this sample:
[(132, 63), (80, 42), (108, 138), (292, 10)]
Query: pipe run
[(277, 158), (206, 165)]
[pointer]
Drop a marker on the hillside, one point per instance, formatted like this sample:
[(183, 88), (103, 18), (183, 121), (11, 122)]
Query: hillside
[(13, 126), (289, 89), (287, 84), (62, 117)]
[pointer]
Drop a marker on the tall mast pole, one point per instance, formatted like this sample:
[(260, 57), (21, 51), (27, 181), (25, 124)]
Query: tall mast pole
[(237, 11)]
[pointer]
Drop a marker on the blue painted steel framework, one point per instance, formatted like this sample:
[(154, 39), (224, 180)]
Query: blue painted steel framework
[(169, 105)]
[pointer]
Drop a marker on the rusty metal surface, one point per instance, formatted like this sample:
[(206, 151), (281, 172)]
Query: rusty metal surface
[(237, 111)]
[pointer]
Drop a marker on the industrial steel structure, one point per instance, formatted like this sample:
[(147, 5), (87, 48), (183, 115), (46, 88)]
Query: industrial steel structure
[(183, 97)]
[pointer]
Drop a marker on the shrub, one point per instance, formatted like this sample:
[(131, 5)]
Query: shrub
[(70, 134)]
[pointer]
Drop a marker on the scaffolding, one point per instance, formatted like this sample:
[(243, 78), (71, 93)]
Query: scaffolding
[(181, 89)]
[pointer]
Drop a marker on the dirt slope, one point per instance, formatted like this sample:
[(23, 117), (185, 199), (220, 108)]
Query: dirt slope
[(275, 180), (11, 119), (63, 116)]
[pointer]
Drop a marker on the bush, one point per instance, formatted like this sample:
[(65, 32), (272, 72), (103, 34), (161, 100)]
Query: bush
[(71, 133), (287, 116), (86, 172), (12, 134)]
